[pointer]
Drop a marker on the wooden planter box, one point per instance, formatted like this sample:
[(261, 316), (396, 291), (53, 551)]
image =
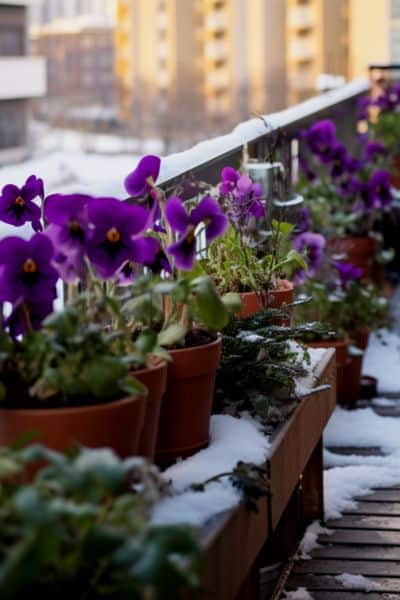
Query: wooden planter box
[(234, 540)]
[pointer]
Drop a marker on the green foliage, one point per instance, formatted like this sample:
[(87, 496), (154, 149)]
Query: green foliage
[(386, 129), (349, 310), (259, 367), (80, 530)]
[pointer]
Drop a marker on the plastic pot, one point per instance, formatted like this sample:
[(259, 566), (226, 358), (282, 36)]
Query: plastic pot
[(116, 425), (187, 404), (155, 380)]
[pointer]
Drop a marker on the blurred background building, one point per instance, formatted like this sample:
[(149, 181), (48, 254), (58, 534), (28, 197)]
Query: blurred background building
[(22, 78), (181, 70)]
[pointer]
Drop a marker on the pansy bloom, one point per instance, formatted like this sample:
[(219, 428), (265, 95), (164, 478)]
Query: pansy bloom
[(312, 246), (27, 315), (114, 235), (243, 194), (347, 272), (207, 212), (26, 270), (143, 178), (380, 189), (17, 206), (321, 137), (67, 216)]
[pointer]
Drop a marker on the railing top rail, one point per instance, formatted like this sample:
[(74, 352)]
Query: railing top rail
[(216, 152)]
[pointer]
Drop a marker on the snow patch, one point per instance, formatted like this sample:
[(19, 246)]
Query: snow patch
[(309, 541), (382, 359), (357, 582), (299, 594), (231, 440)]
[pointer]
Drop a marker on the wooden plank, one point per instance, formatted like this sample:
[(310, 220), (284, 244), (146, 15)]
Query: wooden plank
[(357, 552), (361, 537), (383, 523), (329, 582), (375, 508), (294, 443), (392, 495), (356, 567)]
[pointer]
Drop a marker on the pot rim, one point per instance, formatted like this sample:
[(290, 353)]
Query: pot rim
[(157, 365), (194, 348), (100, 407)]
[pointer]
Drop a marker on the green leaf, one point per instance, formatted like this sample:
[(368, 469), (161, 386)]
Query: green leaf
[(172, 335), (146, 341), (232, 302), (132, 386), (209, 306), (282, 227)]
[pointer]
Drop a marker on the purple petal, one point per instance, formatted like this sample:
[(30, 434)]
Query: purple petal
[(136, 184), (176, 214), (184, 252)]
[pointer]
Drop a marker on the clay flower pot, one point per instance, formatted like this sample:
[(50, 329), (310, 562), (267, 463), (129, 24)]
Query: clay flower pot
[(255, 302), (116, 425), (155, 380), (351, 388), (187, 404), (360, 251), (361, 338)]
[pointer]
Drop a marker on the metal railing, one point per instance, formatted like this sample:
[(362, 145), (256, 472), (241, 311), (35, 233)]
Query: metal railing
[(271, 136)]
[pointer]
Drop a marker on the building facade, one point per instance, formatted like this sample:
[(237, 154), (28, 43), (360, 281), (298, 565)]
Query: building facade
[(22, 78), (80, 67)]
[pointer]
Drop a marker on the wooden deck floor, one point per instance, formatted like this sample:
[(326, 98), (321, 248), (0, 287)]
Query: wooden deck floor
[(364, 541)]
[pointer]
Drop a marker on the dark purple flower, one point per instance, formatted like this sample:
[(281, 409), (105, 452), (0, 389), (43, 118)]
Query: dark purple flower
[(347, 272), (303, 220), (380, 190), (68, 219), (338, 158), (207, 212), (142, 179), (321, 137), (306, 169), (16, 206), (156, 260), (26, 315), (229, 177), (70, 267), (373, 149), (249, 196), (312, 246), (115, 227), (363, 106), (26, 270)]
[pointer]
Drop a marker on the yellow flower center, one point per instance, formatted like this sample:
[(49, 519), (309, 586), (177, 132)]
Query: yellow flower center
[(190, 236), (113, 235), (74, 226), (29, 266), (19, 201), (207, 221)]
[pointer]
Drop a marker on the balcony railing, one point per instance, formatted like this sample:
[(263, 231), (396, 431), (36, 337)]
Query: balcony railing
[(271, 134)]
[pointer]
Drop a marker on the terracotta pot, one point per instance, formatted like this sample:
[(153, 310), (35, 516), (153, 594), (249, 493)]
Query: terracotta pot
[(255, 302), (361, 338), (116, 425), (281, 297), (360, 251), (349, 391), (155, 379), (395, 178), (186, 408), (369, 387)]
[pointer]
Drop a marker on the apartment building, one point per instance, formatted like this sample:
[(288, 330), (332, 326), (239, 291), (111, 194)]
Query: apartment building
[(317, 43), (80, 68), (22, 78), (198, 61)]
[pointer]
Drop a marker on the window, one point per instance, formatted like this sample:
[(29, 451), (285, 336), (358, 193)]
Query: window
[(12, 124), (11, 41)]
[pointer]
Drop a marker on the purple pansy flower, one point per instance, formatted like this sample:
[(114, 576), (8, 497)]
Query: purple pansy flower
[(68, 219), (26, 315), (16, 206), (338, 158), (229, 177), (306, 169), (26, 270), (156, 260), (373, 149), (321, 137), (347, 272), (142, 179), (380, 189), (70, 267), (312, 246), (114, 235), (303, 220), (208, 212)]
